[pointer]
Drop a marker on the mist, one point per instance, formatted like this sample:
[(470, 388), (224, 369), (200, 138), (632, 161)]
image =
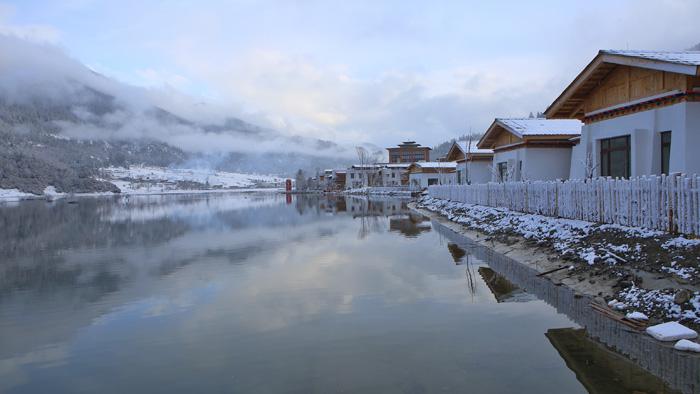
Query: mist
[(39, 73)]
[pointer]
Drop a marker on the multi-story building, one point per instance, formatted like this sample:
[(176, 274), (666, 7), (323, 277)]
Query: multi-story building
[(408, 152)]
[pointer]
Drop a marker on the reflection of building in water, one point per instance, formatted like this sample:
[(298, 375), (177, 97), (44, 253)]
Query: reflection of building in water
[(502, 289), (599, 369), (643, 350), (359, 206), (456, 252), (409, 225)]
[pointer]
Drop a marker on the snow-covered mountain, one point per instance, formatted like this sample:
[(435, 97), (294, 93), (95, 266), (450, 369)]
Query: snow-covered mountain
[(61, 122)]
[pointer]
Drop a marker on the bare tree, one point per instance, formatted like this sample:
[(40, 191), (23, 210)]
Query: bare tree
[(589, 166)]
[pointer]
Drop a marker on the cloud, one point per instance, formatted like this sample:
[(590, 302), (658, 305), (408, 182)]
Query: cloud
[(34, 32), (375, 72), (104, 108)]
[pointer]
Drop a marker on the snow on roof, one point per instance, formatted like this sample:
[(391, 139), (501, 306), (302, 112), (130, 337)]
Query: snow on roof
[(538, 126), (397, 165), (691, 58), (365, 166), (465, 146), (436, 164)]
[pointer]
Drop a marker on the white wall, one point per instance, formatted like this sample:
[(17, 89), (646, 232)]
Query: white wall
[(512, 157), (538, 164), (388, 180), (421, 179), (546, 164), (480, 171), (578, 161), (644, 128)]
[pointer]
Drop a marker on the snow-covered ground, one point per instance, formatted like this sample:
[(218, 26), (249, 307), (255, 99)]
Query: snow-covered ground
[(137, 177), (159, 180), (14, 195), (609, 250)]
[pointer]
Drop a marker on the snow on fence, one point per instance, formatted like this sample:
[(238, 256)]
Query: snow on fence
[(667, 203)]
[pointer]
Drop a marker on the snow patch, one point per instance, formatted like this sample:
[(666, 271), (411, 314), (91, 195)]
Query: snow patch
[(688, 346), (671, 331)]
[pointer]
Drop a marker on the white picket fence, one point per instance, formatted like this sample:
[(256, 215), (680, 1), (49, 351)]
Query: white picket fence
[(667, 203)]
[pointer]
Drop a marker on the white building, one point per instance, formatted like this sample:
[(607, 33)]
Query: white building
[(473, 164), (394, 174), (424, 174), (530, 148), (362, 175), (641, 111)]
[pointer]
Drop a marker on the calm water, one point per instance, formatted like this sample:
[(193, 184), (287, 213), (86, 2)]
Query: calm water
[(257, 294)]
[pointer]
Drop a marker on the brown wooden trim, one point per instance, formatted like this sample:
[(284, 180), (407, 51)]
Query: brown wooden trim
[(661, 102), (537, 144)]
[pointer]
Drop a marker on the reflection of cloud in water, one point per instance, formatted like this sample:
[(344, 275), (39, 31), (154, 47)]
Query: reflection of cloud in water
[(235, 272)]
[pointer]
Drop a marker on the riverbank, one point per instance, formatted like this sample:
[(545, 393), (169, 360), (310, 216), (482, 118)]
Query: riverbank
[(7, 196), (650, 272)]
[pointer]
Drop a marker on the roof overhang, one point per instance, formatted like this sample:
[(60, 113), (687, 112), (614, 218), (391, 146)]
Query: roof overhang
[(486, 141), (569, 104), (455, 149)]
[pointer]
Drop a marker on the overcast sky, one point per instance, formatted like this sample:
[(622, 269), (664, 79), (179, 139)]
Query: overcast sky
[(355, 71)]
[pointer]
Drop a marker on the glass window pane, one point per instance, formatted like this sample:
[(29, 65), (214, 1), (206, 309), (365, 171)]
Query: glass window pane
[(618, 143), (618, 163), (604, 170)]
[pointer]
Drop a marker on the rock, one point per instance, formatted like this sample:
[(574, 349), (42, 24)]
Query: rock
[(681, 297), (637, 316)]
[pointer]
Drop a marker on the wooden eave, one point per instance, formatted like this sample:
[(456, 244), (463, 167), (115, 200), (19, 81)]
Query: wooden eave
[(487, 140), (455, 149), (569, 104)]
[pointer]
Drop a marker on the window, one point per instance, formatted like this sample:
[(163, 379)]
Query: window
[(432, 181), (615, 157), (502, 171), (459, 177), (393, 175), (352, 176), (665, 151)]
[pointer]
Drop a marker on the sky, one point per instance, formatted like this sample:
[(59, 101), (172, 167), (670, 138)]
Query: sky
[(354, 71)]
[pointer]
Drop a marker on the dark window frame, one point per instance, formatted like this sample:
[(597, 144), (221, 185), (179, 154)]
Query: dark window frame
[(666, 157), (606, 150), (502, 170)]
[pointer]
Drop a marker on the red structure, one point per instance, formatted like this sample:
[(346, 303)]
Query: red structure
[(288, 185)]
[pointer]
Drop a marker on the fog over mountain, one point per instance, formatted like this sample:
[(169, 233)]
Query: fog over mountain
[(60, 122)]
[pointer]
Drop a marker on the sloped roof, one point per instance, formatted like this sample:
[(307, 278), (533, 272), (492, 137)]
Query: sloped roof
[(570, 101), (540, 126), (435, 164), (691, 58), (466, 147), (397, 165), (532, 127)]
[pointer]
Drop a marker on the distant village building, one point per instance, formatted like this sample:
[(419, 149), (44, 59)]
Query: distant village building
[(641, 114), (424, 174), (394, 174), (362, 175), (408, 152), (473, 164), (339, 179), (530, 148)]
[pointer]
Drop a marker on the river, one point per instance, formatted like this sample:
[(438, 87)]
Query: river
[(262, 293)]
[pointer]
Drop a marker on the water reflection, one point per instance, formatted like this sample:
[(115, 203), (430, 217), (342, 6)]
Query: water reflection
[(599, 369), (248, 293), (680, 370)]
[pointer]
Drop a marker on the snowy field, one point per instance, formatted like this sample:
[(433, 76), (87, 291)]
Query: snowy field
[(131, 178), (159, 180)]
